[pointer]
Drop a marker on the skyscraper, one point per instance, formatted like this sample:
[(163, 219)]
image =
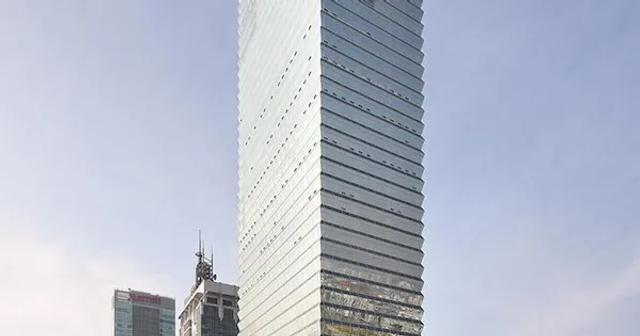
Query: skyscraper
[(330, 152), (143, 314)]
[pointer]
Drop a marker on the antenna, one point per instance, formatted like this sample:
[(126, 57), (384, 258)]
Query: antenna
[(204, 268), (199, 254)]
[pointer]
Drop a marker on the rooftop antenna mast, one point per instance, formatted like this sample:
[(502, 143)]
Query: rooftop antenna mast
[(204, 268), (199, 254)]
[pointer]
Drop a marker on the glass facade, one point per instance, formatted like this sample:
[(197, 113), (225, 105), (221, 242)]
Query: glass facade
[(330, 173), (143, 314)]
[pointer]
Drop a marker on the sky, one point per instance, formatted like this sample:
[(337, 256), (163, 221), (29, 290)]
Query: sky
[(118, 143)]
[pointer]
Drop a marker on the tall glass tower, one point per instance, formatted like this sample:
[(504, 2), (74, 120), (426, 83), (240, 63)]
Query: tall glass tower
[(330, 173)]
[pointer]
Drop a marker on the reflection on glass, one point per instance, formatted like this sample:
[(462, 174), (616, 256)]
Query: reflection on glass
[(371, 274), (363, 320), (369, 289), (375, 306)]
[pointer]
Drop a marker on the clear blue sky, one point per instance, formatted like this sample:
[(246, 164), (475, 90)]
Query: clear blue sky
[(117, 142)]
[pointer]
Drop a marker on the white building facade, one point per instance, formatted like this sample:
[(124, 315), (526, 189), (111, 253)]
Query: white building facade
[(210, 310), (330, 173)]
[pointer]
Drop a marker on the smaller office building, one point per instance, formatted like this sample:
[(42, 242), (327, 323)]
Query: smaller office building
[(210, 310), (212, 307), (143, 314)]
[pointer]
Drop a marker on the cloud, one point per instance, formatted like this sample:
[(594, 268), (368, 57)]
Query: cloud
[(585, 306), (49, 289)]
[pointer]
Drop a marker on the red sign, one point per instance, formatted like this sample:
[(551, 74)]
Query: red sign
[(144, 298)]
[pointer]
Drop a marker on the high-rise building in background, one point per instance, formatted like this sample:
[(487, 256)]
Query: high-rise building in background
[(211, 309), (330, 173), (143, 314)]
